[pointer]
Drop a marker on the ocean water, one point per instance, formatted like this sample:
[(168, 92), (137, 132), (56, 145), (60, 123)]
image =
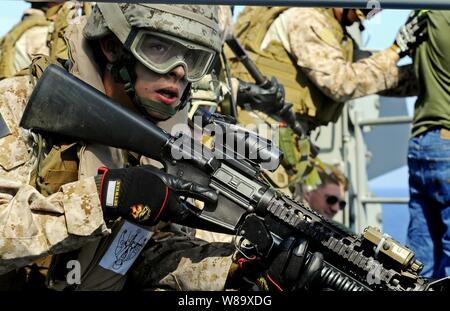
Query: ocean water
[(395, 216)]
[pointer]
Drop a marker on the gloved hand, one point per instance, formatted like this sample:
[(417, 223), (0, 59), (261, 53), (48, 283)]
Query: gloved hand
[(268, 100), (411, 34), (289, 269), (146, 194), (292, 269)]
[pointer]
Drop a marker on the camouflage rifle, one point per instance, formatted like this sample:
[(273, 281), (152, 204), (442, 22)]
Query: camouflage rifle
[(247, 205)]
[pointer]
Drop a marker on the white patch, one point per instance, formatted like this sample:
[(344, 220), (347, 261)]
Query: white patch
[(127, 245), (110, 193)]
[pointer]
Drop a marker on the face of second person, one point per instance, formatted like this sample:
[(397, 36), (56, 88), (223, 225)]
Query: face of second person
[(164, 88), (317, 199)]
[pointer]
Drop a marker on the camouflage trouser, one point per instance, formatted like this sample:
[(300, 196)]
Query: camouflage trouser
[(174, 261)]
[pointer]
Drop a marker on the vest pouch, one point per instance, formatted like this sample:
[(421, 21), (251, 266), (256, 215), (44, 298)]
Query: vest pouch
[(59, 167), (287, 145), (277, 62), (303, 165), (311, 178)]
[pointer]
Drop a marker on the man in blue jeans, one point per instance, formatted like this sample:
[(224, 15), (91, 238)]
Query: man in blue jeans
[(429, 151)]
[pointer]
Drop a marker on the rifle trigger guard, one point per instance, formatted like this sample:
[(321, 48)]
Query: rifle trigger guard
[(254, 230)]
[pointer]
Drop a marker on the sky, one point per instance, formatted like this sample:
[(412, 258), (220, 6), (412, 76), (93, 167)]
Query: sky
[(10, 13)]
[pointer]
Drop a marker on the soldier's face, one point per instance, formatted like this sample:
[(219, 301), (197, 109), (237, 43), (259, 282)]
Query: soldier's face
[(163, 88), (166, 89), (326, 200)]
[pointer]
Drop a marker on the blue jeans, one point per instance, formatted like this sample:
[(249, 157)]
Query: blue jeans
[(429, 205)]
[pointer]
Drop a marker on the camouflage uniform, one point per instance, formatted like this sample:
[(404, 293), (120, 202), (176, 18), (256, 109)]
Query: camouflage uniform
[(319, 55), (311, 54), (33, 225), (72, 217)]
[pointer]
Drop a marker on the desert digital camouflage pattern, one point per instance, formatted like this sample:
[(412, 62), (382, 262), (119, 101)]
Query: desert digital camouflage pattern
[(37, 33), (183, 263), (197, 23), (32, 225), (305, 34)]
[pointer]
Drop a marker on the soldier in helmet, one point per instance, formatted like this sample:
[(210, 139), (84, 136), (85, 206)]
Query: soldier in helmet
[(54, 198), (38, 32)]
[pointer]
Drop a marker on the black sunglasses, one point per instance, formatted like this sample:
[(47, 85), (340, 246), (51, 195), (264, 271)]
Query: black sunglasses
[(332, 199)]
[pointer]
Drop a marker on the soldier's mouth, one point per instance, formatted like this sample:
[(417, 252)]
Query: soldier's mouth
[(167, 95)]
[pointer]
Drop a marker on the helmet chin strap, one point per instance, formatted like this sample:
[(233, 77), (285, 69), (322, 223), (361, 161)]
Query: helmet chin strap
[(124, 71)]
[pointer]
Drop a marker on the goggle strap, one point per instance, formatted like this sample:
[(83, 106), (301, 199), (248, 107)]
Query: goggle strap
[(129, 41), (115, 20), (128, 86)]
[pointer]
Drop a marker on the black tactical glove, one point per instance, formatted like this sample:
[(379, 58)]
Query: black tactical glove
[(411, 35), (289, 268), (292, 269), (146, 194), (268, 100)]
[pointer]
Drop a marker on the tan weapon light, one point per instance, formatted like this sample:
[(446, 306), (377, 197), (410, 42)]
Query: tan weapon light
[(393, 249)]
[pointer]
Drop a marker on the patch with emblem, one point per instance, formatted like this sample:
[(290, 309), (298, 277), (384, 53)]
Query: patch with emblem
[(4, 129), (125, 248), (141, 212)]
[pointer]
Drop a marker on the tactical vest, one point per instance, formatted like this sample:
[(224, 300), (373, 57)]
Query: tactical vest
[(58, 45), (56, 19), (308, 101), (7, 44), (57, 162)]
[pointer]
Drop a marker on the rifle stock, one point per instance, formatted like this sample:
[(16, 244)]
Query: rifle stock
[(247, 205), (63, 104)]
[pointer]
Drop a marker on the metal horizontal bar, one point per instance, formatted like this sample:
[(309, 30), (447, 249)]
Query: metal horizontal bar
[(381, 200), (386, 120), (370, 4)]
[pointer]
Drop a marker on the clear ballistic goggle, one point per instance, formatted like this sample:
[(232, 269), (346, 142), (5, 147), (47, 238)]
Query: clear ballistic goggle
[(162, 52)]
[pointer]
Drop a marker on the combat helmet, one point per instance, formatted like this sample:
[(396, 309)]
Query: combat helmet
[(190, 34)]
